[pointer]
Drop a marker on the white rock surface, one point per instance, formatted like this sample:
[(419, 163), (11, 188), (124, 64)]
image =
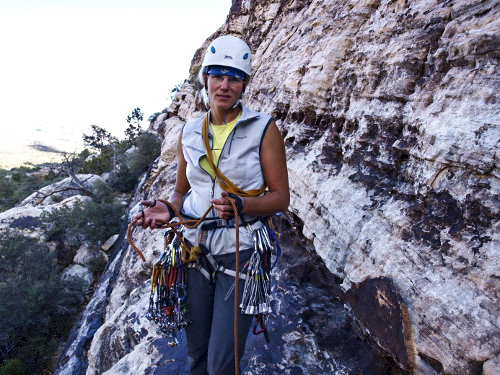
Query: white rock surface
[(87, 254), (61, 190), (390, 115), (76, 271)]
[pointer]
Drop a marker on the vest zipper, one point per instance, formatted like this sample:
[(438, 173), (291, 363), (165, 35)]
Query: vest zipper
[(233, 133), (212, 195)]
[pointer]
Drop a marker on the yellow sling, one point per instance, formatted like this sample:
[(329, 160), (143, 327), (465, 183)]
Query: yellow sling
[(222, 180)]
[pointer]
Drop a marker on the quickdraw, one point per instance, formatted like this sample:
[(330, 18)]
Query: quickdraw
[(256, 298), (168, 291), (168, 284)]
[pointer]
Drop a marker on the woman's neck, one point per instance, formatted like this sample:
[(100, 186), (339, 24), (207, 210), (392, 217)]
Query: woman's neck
[(222, 117)]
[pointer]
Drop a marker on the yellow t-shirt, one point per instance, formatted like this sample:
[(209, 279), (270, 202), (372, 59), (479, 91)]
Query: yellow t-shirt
[(220, 134)]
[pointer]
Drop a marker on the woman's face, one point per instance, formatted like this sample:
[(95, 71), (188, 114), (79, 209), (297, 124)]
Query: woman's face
[(224, 91)]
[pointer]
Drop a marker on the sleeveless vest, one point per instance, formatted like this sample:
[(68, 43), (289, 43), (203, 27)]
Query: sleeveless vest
[(239, 161)]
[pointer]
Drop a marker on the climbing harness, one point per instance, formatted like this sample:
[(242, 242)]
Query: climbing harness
[(168, 280), (194, 224)]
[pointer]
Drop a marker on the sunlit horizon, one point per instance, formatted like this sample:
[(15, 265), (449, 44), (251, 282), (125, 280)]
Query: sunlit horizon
[(67, 65)]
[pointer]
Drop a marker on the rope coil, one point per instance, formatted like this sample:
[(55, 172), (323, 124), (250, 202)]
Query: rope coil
[(191, 224)]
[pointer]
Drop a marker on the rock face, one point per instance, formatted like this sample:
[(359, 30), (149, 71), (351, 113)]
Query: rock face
[(77, 271), (69, 187), (390, 115), (27, 219)]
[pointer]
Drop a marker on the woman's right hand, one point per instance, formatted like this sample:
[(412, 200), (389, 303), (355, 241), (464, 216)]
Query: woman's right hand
[(154, 214)]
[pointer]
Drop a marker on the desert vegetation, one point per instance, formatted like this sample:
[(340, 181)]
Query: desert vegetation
[(37, 305)]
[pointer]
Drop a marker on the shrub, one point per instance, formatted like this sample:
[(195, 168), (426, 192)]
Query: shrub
[(149, 147), (7, 193), (97, 265), (99, 163), (12, 367), (18, 183), (132, 167), (36, 307), (87, 221)]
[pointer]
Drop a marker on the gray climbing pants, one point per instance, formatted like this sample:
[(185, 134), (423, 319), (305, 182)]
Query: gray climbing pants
[(210, 336)]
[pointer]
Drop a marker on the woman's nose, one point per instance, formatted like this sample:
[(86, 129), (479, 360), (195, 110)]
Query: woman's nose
[(225, 83)]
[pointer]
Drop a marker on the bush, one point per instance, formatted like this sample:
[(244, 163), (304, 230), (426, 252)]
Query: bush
[(148, 148), (88, 221), (99, 163), (12, 367), (97, 265), (36, 307), (7, 193), (18, 183)]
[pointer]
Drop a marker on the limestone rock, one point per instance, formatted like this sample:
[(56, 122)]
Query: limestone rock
[(26, 219), (108, 244), (125, 329), (492, 366), (57, 192), (76, 271), (390, 116), (88, 255)]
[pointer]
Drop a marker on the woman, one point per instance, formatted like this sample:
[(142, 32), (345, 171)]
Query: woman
[(247, 148)]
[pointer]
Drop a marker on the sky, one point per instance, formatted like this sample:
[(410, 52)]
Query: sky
[(68, 64)]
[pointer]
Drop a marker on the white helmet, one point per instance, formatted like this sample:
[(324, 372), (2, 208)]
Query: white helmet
[(228, 51)]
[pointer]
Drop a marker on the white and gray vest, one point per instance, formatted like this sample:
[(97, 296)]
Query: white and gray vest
[(239, 161)]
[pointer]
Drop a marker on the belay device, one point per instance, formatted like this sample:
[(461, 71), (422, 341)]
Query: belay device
[(168, 290)]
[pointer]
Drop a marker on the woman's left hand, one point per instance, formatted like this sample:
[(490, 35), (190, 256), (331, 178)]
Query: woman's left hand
[(223, 206)]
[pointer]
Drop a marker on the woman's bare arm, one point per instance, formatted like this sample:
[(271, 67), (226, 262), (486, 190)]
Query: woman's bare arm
[(273, 162)]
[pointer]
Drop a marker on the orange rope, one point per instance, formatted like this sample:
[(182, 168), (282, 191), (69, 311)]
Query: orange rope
[(225, 183), (187, 223), (236, 288), (193, 224)]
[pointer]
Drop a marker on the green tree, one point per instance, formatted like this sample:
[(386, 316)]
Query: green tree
[(148, 148), (134, 125), (99, 139)]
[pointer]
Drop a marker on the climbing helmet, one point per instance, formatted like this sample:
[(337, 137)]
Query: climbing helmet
[(228, 51)]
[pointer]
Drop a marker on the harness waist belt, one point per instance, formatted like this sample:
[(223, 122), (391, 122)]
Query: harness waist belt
[(223, 223), (211, 260), (197, 266)]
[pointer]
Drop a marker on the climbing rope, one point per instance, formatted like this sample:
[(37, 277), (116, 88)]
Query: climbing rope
[(236, 288), (228, 186), (225, 183), (191, 224)]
